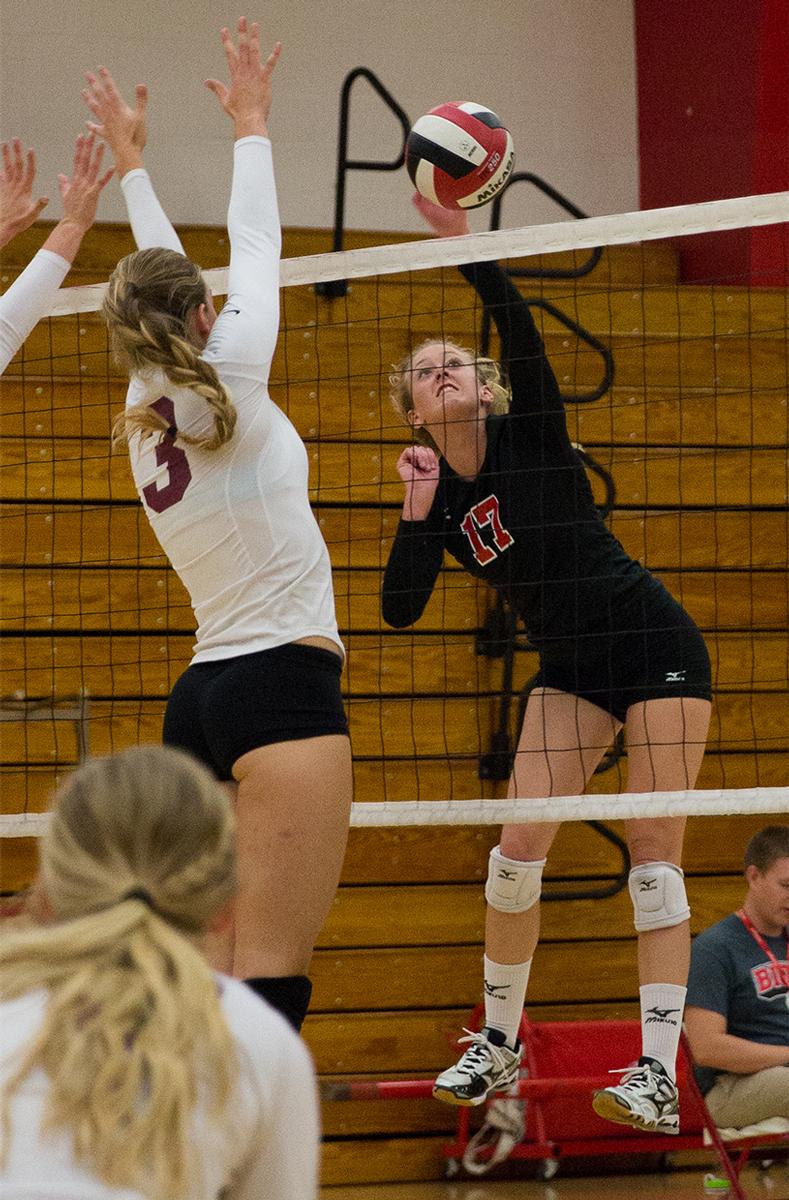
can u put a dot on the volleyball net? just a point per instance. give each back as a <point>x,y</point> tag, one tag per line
<point>668,332</point>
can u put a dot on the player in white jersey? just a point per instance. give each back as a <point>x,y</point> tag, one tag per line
<point>31,295</point>
<point>222,474</point>
<point>128,1068</point>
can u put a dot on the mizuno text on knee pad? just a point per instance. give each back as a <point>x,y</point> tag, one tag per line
<point>512,886</point>
<point>657,890</point>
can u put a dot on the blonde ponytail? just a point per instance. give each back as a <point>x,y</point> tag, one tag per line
<point>150,299</point>
<point>133,1034</point>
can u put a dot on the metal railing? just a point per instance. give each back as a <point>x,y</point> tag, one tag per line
<point>582,334</point>
<point>563,202</point>
<point>339,287</point>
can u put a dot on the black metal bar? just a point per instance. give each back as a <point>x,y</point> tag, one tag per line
<point>563,202</point>
<point>591,340</point>
<point>579,331</point>
<point>585,892</point>
<point>338,287</point>
<point>601,472</point>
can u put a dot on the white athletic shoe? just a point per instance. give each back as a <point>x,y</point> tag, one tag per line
<point>645,1097</point>
<point>487,1066</point>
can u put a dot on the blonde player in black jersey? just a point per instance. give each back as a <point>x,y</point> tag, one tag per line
<point>500,487</point>
<point>31,295</point>
<point>222,475</point>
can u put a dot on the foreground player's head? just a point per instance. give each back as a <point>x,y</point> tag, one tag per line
<point>159,314</point>
<point>767,875</point>
<point>138,858</point>
<point>148,818</point>
<point>440,383</point>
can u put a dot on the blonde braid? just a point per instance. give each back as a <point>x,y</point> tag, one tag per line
<point>151,297</point>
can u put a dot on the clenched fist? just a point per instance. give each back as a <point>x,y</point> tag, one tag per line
<point>419,469</point>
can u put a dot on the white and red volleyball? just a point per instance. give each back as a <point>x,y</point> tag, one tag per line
<point>459,155</point>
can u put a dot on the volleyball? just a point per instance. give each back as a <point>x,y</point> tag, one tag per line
<point>459,155</point>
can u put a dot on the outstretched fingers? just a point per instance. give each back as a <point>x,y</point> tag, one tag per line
<point>81,192</point>
<point>108,86</point>
<point>14,167</point>
<point>121,125</point>
<point>243,41</point>
<point>82,152</point>
<point>141,100</point>
<point>18,209</point>
<point>229,47</point>
<point>29,169</point>
<point>272,60</point>
<point>254,42</point>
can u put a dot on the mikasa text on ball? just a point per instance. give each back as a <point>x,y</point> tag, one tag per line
<point>459,155</point>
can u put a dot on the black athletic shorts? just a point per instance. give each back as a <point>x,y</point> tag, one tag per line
<point>220,710</point>
<point>650,650</point>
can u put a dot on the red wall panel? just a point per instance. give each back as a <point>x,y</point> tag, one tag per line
<point>713,115</point>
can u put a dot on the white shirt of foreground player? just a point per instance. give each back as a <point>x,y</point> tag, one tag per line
<point>236,522</point>
<point>266,1144</point>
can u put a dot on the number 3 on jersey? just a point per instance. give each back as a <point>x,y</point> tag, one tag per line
<point>486,513</point>
<point>171,456</point>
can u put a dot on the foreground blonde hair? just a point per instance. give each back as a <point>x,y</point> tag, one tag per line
<point>133,1029</point>
<point>488,374</point>
<point>150,299</point>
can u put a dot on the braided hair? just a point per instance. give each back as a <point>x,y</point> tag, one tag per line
<point>150,302</point>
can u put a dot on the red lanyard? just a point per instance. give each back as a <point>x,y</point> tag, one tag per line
<point>757,937</point>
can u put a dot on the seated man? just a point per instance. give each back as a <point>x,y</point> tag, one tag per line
<point>737,1015</point>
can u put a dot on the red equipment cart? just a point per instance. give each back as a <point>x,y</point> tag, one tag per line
<point>564,1062</point>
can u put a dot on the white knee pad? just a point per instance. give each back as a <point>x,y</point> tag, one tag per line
<point>512,886</point>
<point>657,890</point>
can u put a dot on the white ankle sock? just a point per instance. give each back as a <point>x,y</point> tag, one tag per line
<point>661,1023</point>
<point>505,993</point>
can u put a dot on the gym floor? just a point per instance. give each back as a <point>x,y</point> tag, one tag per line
<point>678,1185</point>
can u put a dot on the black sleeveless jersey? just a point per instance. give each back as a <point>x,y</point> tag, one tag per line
<point>528,523</point>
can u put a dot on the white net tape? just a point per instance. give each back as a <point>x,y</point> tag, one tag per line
<point>649,225</point>
<point>622,806</point>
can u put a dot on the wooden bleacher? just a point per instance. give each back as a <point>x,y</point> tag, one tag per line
<point>89,603</point>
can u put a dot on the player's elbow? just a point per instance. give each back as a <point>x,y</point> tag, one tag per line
<point>704,1045</point>
<point>395,615</point>
<point>703,1055</point>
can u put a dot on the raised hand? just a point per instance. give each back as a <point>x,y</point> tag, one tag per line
<point>81,192</point>
<point>122,127</point>
<point>446,222</point>
<point>18,209</point>
<point>419,469</point>
<point>248,98</point>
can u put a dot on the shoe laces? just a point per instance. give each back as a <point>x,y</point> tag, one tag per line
<point>639,1073</point>
<point>475,1055</point>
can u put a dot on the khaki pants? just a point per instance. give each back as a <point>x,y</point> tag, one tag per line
<point>737,1100</point>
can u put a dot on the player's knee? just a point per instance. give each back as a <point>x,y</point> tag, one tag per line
<point>512,886</point>
<point>657,890</point>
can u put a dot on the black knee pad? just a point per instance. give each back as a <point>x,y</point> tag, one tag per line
<point>289,994</point>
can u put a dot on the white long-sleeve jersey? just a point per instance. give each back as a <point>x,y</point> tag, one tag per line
<point>235,523</point>
<point>264,1144</point>
<point>28,299</point>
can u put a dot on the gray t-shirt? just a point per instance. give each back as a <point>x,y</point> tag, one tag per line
<point>730,974</point>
